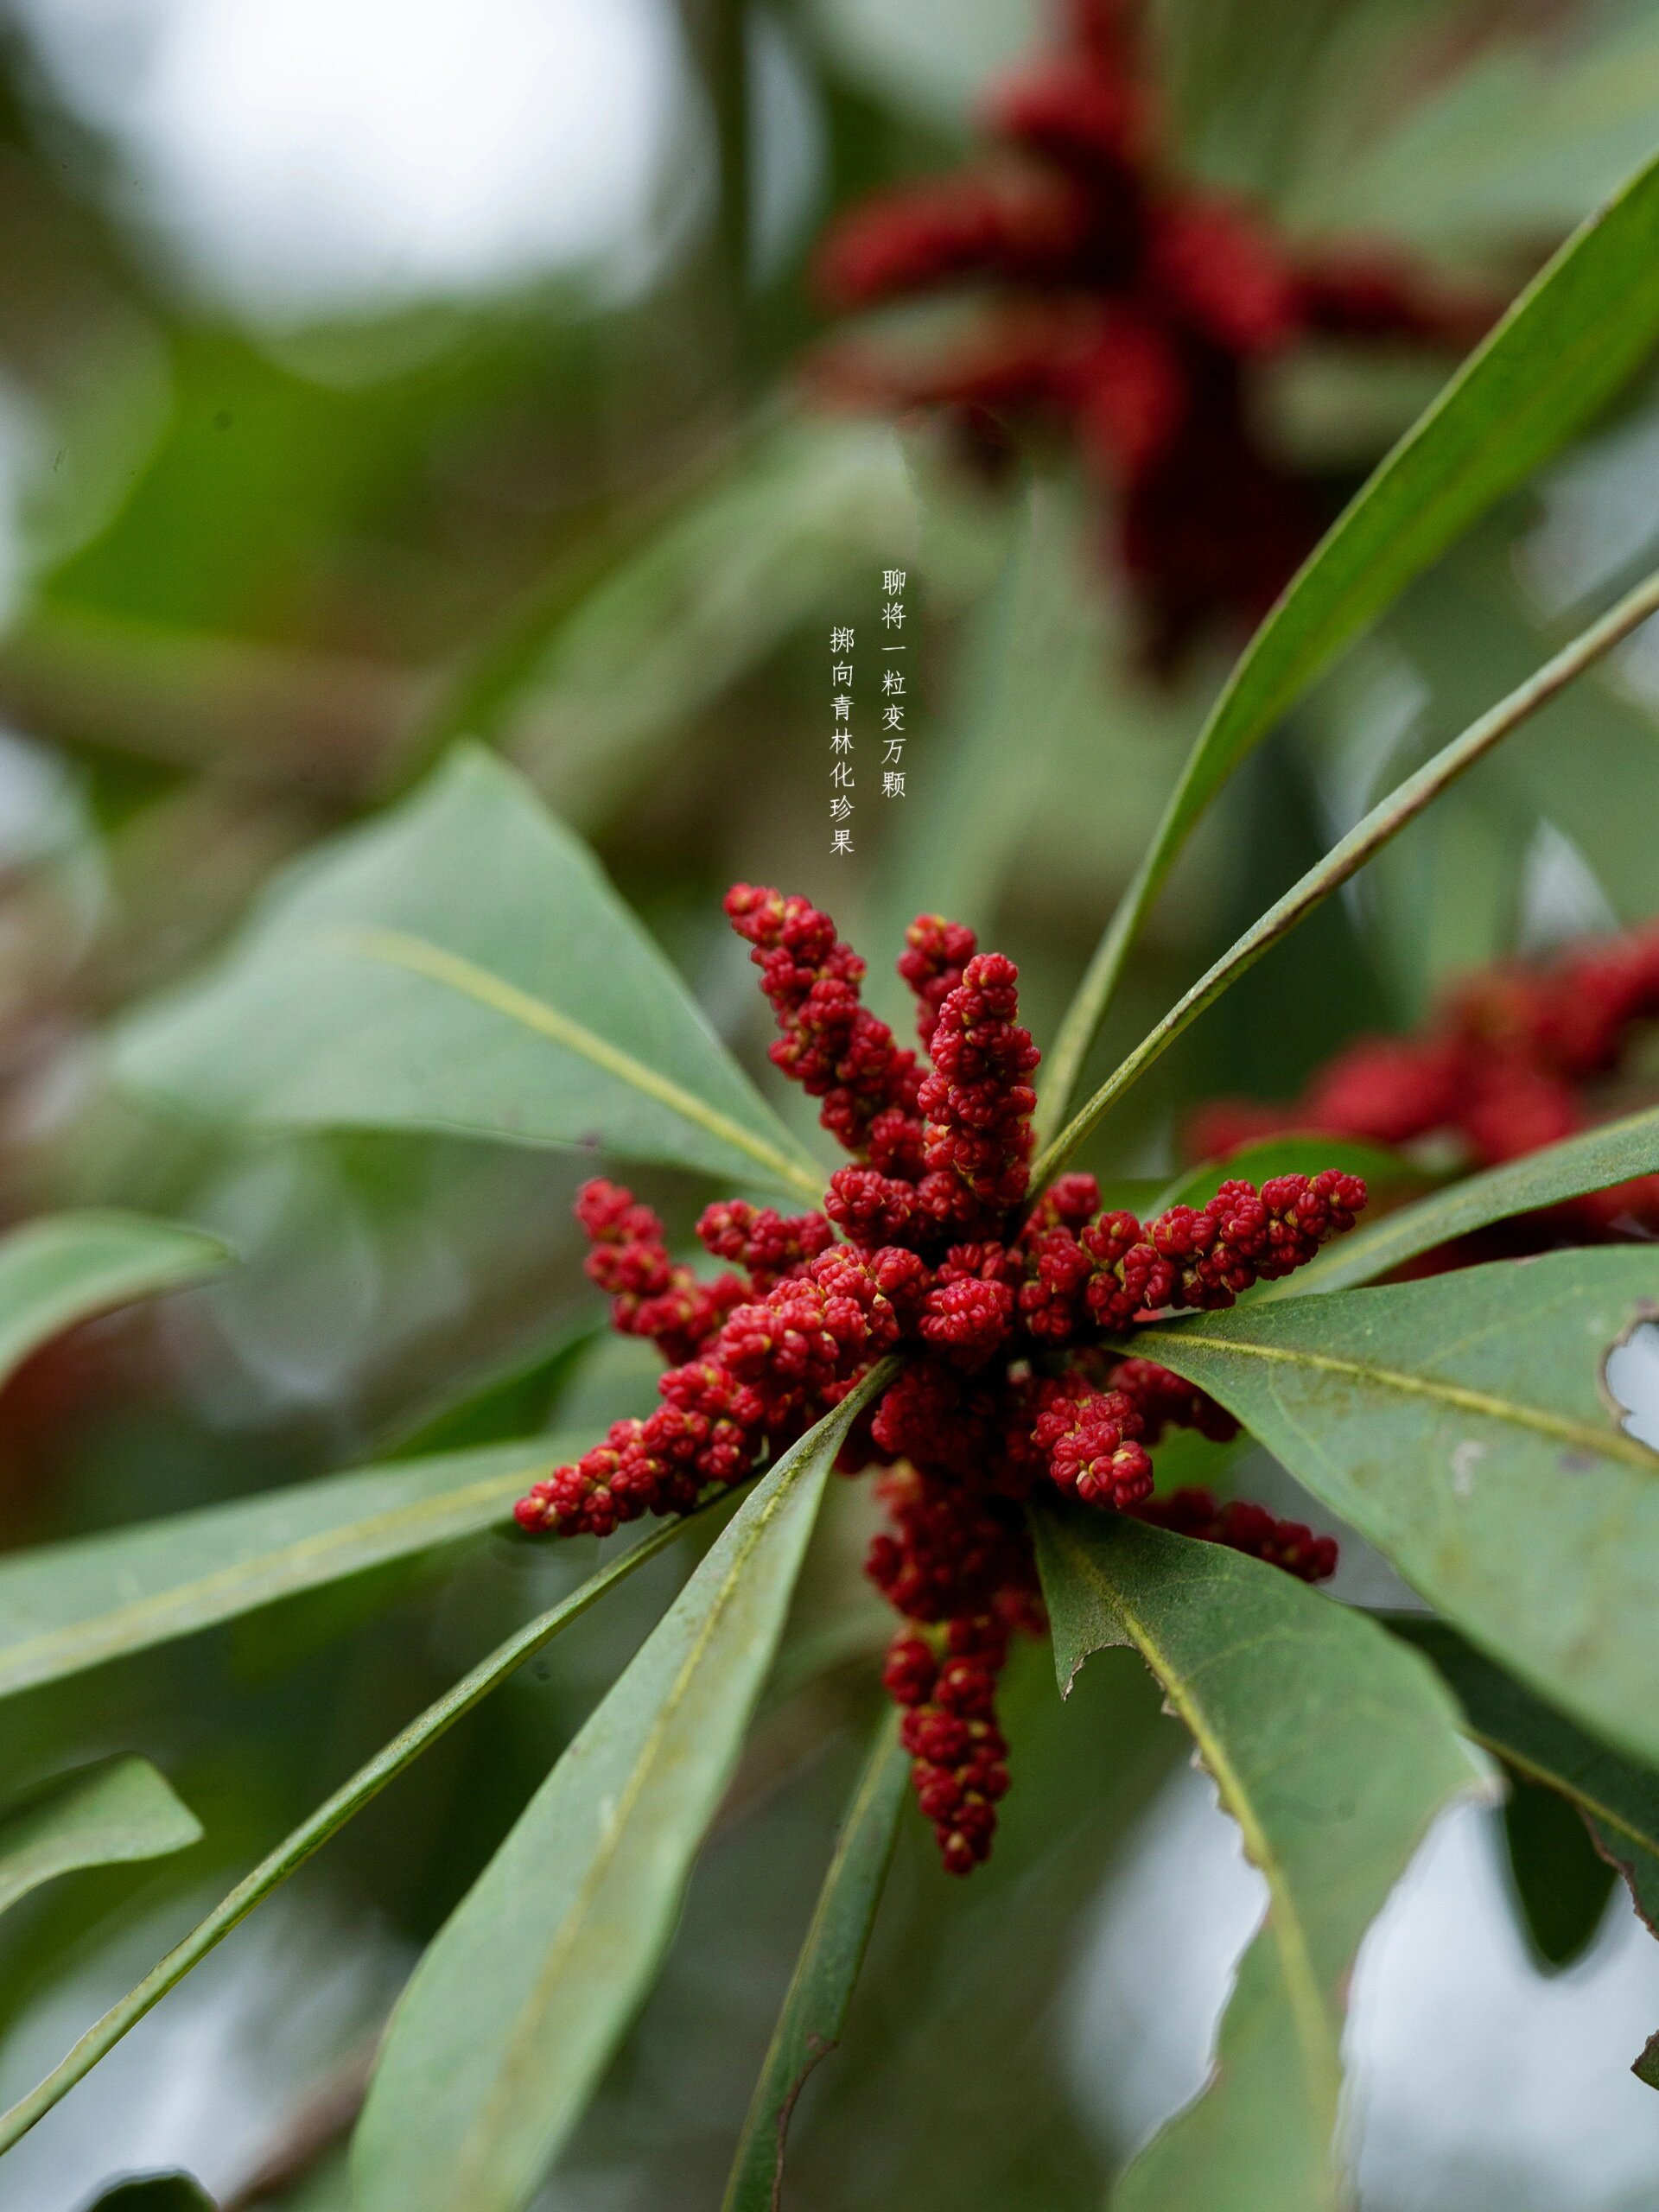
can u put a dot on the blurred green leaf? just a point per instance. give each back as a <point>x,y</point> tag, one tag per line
<point>1465,1427</point>
<point>1618,1798</point>
<point>516,1399</point>
<point>65,1267</point>
<point>291,1853</point>
<point>815,2008</point>
<point>173,2192</point>
<point>67,1606</point>
<point>461,965</point>
<point>1563,350</point>
<point>1593,1160</point>
<point>1383,1171</point>
<point>1519,142</point>
<point>1333,1757</point>
<point>520,2001</point>
<point>1561,1880</point>
<point>101,1815</point>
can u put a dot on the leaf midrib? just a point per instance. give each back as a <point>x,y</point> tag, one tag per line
<point>1562,1426</point>
<point>398,949</point>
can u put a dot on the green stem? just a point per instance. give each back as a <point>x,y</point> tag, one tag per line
<point>1367,837</point>
<point>330,1817</point>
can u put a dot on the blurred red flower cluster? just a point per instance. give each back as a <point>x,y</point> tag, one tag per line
<point>1126,308</point>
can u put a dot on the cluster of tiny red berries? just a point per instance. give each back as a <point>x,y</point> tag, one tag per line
<point>1129,309</point>
<point>1010,1385</point>
<point>1515,1059</point>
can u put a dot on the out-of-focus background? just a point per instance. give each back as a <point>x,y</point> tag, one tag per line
<point>373,374</point>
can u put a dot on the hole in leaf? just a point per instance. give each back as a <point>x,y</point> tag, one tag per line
<point>1631,1375</point>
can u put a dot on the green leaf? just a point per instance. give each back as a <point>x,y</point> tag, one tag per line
<point>1289,1155</point>
<point>1516,142</point>
<point>70,1605</point>
<point>1646,2068</point>
<point>102,1815</point>
<point>1591,1162</point>
<point>1333,1757</point>
<point>517,2006</point>
<point>1461,1425</point>
<point>1560,1878</point>
<point>1367,836</point>
<point>291,1853</point>
<point>173,2192</point>
<point>810,2026</point>
<point>1564,348</point>
<point>461,964</point>
<point>65,1267</point>
<point>1618,1798</point>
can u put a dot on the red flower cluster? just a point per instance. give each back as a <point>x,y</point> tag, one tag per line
<point>1129,309</point>
<point>1011,1384</point>
<point>1512,1062</point>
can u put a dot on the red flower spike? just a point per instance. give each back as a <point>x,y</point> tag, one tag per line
<point>936,1264</point>
<point>936,952</point>
<point>650,1296</point>
<point>1506,1064</point>
<point>1244,1527</point>
<point>1164,1401</point>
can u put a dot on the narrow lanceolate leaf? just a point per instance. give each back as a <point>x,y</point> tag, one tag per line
<point>519,2003</point>
<point>64,1267</point>
<point>810,2024</point>
<point>330,1817</point>
<point>67,1606</point>
<point>1368,837</point>
<point>101,1815</point>
<point>1591,1161</point>
<point>461,964</point>
<point>1619,1798</point>
<point>1465,1426</point>
<point>1563,350</point>
<point>1333,1749</point>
